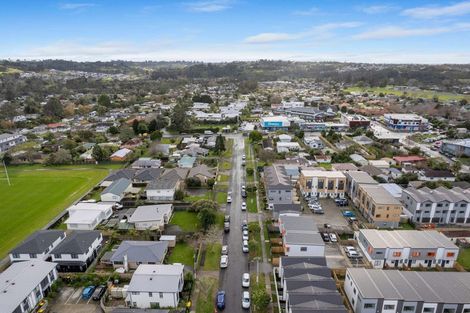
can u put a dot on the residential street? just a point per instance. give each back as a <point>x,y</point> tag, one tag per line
<point>230,278</point>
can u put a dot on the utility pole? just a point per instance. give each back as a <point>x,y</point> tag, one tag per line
<point>6,173</point>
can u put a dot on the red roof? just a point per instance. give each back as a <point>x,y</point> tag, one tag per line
<point>409,158</point>
<point>55,125</point>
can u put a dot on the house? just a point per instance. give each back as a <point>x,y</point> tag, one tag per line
<point>116,191</point>
<point>456,148</point>
<point>186,161</point>
<point>268,144</point>
<point>358,159</point>
<point>132,144</point>
<point>292,209</point>
<point>201,172</point>
<point>284,138</point>
<point>161,148</point>
<point>313,142</point>
<point>355,120</point>
<point>120,155</point>
<point>164,187</point>
<point>322,158</point>
<point>37,246</point>
<point>8,141</point>
<point>147,175</point>
<point>88,215</point>
<point>278,185</point>
<point>146,163</point>
<point>380,164</point>
<point>343,167</point>
<point>371,170</point>
<point>77,251</point>
<point>151,216</point>
<point>322,183</point>
<point>156,286</point>
<point>127,173</point>
<point>363,140</point>
<point>24,284</point>
<point>275,122</point>
<point>413,159</point>
<point>353,179</point>
<point>130,254</point>
<point>407,248</point>
<point>287,146</point>
<point>300,236</point>
<point>440,205</point>
<point>428,174</point>
<point>378,206</point>
<point>405,122</point>
<point>385,291</point>
<point>393,189</point>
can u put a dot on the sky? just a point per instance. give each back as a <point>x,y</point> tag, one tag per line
<point>427,32</point>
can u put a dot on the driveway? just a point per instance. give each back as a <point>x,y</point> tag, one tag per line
<point>230,278</point>
<point>333,216</point>
<point>69,300</point>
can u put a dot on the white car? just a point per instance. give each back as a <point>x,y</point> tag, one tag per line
<point>245,235</point>
<point>349,248</point>
<point>245,246</point>
<point>223,261</point>
<point>224,250</point>
<point>243,187</point>
<point>246,280</point>
<point>243,157</point>
<point>333,238</point>
<point>243,206</point>
<point>229,199</point>
<point>353,255</point>
<point>246,300</point>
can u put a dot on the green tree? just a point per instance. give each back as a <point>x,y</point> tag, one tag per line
<point>204,204</point>
<point>126,133</point>
<point>6,158</point>
<point>255,136</point>
<point>156,135</point>
<point>210,183</point>
<point>152,126</point>
<point>142,128</point>
<point>261,298</point>
<point>456,167</point>
<point>97,153</point>
<point>135,126</point>
<point>193,182</point>
<point>113,130</point>
<point>53,108</point>
<point>206,218</point>
<point>219,143</point>
<point>104,100</point>
<point>180,118</point>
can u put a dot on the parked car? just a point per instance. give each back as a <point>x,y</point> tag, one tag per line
<point>223,261</point>
<point>224,250</point>
<point>243,163</point>
<point>226,227</point>
<point>333,237</point>
<point>353,254</point>
<point>349,248</point>
<point>246,280</point>
<point>318,210</point>
<point>227,218</point>
<point>243,206</point>
<point>341,201</point>
<point>246,300</point>
<point>220,300</point>
<point>244,224</point>
<point>243,194</point>
<point>99,293</point>
<point>245,248</point>
<point>349,214</point>
<point>352,219</point>
<point>327,225</point>
<point>87,292</point>
<point>245,235</point>
<point>326,237</point>
<point>229,199</point>
<point>243,157</point>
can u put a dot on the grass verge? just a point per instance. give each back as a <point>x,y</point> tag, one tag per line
<point>211,262</point>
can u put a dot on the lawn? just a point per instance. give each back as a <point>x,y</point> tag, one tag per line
<point>223,178</point>
<point>251,202</point>
<point>212,258</point>
<point>38,194</point>
<point>228,148</point>
<point>255,240</point>
<point>182,253</point>
<point>221,197</point>
<point>193,198</point>
<point>464,258</point>
<point>427,94</point>
<point>226,165</point>
<point>206,287</point>
<point>187,221</point>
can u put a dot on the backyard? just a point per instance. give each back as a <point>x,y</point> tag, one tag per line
<point>186,220</point>
<point>464,258</point>
<point>212,257</point>
<point>182,253</point>
<point>37,194</point>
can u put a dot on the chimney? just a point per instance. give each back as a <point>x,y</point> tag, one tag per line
<point>126,264</point>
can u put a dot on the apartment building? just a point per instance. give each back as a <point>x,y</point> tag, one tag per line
<point>407,248</point>
<point>378,206</point>
<point>8,141</point>
<point>440,205</point>
<point>322,183</point>
<point>353,179</point>
<point>355,120</point>
<point>278,185</point>
<point>456,148</point>
<point>405,122</point>
<point>390,291</point>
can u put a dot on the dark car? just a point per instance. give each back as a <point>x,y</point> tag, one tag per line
<point>341,202</point>
<point>226,227</point>
<point>326,237</point>
<point>88,292</point>
<point>99,293</point>
<point>220,300</point>
<point>243,194</point>
<point>227,218</point>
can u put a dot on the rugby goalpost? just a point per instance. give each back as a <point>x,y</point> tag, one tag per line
<point>7,177</point>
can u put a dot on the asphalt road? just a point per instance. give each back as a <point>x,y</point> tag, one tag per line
<point>230,279</point>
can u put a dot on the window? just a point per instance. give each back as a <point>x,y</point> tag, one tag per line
<point>354,291</point>
<point>303,249</point>
<point>408,308</point>
<point>448,310</point>
<point>432,254</point>
<point>397,254</point>
<point>450,254</point>
<point>150,294</point>
<point>32,255</point>
<point>135,293</point>
<point>161,295</point>
<point>415,253</point>
<point>57,256</point>
<point>428,310</point>
<point>369,305</point>
<point>16,255</point>
<point>389,307</point>
<point>74,256</point>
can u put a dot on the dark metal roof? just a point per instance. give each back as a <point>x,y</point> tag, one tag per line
<point>38,242</point>
<point>77,242</point>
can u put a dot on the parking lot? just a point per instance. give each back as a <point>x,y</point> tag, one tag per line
<point>69,300</point>
<point>332,216</point>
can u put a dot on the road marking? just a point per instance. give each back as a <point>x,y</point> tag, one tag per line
<point>71,294</point>
<point>79,296</point>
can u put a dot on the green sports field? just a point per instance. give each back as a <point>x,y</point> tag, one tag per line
<point>38,194</point>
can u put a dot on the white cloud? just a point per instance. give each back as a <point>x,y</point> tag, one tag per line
<point>208,6</point>
<point>377,9</point>
<point>399,32</point>
<point>75,6</point>
<point>458,9</point>
<point>307,12</point>
<point>320,31</point>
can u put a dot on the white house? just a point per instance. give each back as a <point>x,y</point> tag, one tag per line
<point>77,251</point>
<point>37,246</point>
<point>287,146</point>
<point>314,142</point>
<point>155,286</point>
<point>285,138</point>
<point>8,141</point>
<point>151,216</point>
<point>87,215</point>
<point>164,187</point>
<point>24,284</point>
<point>300,236</point>
<point>116,191</point>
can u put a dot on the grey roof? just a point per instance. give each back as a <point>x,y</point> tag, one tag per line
<point>150,213</point>
<point>19,280</point>
<point>148,174</point>
<point>77,242</point>
<point>146,163</point>
<point>287,207</point>
<point>431,287</point>
<point>141,251</point>
<point>437,173</point>
<point>276,178</point>
<point>344,167</point>
<point>38,242</point>
<point>371,170</point>
<point>360,177</point>
<point>299,223</point>
<point>311,287</point>
<point>118,187</point>
<point>201,170</point>
<point>123,173</point>
<point>322,310</point>
<point>168,180</point>
<point>407,238</point>
<point>320,302</point>
<point>302,262</point>
<point>379,194</point>
<point>439,194</point>
<point>311,274</point>
<point>157,278</point>
<point>295,238</point>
